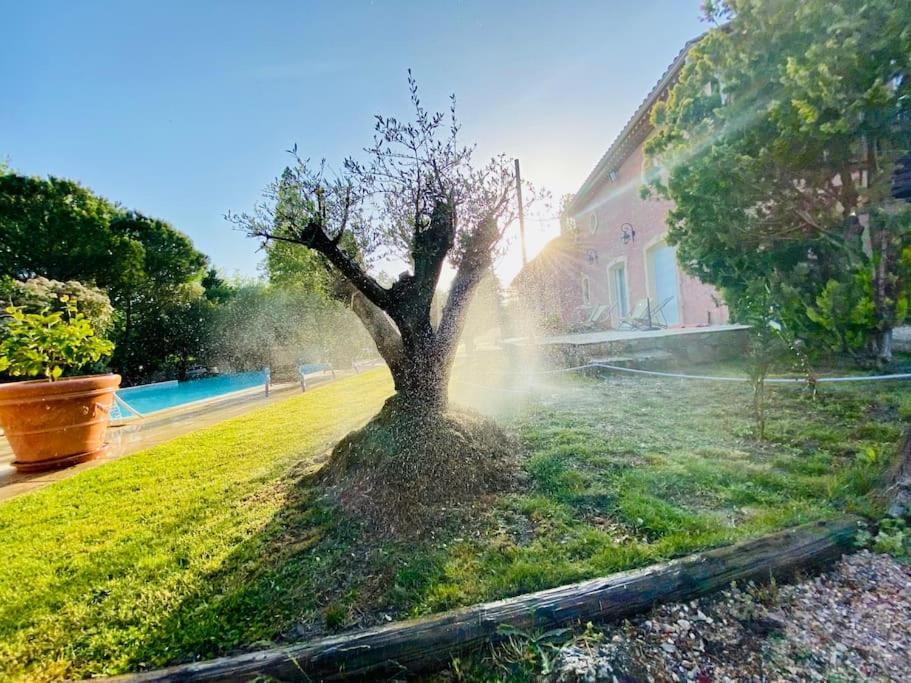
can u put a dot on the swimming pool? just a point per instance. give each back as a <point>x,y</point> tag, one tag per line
<point>151,398</point>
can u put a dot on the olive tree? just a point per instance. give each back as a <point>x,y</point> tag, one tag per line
<point>417,195</point>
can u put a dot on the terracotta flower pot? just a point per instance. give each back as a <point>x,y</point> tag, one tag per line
<point>56,424</point>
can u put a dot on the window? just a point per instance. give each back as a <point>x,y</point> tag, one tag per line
<point>619,296</point>
<point>586,291</point>
<point>715,87</point>
<point>593,222</point>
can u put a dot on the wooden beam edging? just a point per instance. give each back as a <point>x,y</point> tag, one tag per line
<point>429,643</point>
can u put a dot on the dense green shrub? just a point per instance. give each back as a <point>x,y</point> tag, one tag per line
<point>49,342</point>
<point>777,145</point>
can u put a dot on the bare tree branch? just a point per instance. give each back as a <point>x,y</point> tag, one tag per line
<point>475,262</point>
<point>313,236</point>
<point>386,337</point>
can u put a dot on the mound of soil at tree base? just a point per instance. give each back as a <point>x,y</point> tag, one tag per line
<point>407,468</point>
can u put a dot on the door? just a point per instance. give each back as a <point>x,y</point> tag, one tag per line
<point>662,263</point>
<point>619,296</point>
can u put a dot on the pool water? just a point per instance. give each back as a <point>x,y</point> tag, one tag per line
<point>150,398</point>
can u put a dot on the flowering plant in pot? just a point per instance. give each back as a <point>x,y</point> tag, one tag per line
<point>55,421</point>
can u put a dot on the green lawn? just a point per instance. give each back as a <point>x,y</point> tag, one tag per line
<point>218,540</point>
<point>124,564</point>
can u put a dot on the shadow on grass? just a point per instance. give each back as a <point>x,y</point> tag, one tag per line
<point>308,572</point>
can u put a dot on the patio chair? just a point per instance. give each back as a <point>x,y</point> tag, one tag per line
<point>598,313</point>
<point>646,316</point>
<point>358,365</point>
<point>658,312</point>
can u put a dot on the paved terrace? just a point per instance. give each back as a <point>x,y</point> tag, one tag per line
<point>696,344</point>
<point>144,433</point>
<point>610,336</point>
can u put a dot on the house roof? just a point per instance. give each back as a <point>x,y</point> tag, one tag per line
<point>633,133</point>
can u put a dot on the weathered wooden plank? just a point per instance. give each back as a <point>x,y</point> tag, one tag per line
<point>429,643</point>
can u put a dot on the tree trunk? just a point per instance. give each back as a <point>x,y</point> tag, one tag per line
<point>421,390</point>
<point>884,346</point>
<point>419,357</point>
<point>886,250</point>
<point>418,458</point>
<point>422,380</point>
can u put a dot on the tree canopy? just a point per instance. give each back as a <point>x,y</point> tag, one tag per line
<point>777,146</point>
<point>56,228</point>
<point>417,195</point>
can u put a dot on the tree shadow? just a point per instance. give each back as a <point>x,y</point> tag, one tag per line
<point>311,570</point>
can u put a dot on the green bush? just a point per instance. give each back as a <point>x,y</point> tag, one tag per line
<point>777,151</point>
<point>49,342</point>
<point>892,538</point>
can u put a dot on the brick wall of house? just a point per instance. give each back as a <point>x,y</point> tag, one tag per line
<point>618,202</point>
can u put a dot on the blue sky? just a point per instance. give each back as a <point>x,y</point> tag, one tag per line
<point>183,110</point>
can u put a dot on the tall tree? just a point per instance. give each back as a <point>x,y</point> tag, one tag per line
<point>156,288</point>
<point>777,145</point>
<point>417,195</point>
<point>286,264</point>
<point>332,332</point>
<point>216,288</point>
<point>55,228</point>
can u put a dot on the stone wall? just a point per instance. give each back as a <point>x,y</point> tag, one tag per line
<point>666,351</point>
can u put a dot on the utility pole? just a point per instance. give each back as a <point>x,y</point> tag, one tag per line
<point>521,213</point>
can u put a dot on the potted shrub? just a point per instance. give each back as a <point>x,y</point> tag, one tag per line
<point>56,421</point>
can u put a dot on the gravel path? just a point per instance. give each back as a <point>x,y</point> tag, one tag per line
<point>850,624</point>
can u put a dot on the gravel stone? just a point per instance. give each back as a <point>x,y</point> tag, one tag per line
<point>851,623</point>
